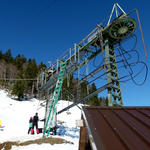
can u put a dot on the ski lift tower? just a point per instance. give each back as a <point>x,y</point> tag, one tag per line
<point>103,39</point>
<point>118,29</point>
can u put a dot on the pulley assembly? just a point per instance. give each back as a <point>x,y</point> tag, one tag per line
<point>122,27</point>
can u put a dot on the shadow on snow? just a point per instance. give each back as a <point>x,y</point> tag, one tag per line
<point>65,131</point>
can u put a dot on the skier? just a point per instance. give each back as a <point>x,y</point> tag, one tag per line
<point>30,124</point>
<point>35,124</point>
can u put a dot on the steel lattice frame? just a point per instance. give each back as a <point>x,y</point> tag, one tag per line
<point>103,40</point>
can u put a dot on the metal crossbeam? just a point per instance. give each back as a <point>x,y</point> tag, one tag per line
<point>87,97</point>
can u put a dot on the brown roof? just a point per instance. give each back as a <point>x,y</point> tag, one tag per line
<point>120,128</point>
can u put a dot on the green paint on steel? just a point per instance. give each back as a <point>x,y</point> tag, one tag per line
<point>121,28</point>
<point>114,92</point>
<point>54,101</point>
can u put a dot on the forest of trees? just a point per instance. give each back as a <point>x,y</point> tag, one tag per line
<point>17,73</point>
<point>13,69</point>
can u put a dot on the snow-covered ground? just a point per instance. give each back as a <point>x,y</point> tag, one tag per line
<point>15,119</point>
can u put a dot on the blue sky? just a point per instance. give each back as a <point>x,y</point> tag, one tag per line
<point>44,29</point>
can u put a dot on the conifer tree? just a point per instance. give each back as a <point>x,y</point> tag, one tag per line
<point>19,86</point>
<point>7,56</point>
<point>41,66</point>
<point>19,61</point>
<point>83,91</point>
<point>1,55</point>
<point>31,69</point>
<point>94,101</point>
<point>31,73</point>
<point>68,88</point>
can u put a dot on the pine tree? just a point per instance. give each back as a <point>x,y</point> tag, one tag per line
<point>31,69</point>
<point>19,86</point>
<point>83,91</point>
<point>64,88</point>
<point>7,56</point>
<point>41,66</point>
<point>31,73</point>
<point>1,55</point>
<point>94,101</point>
<point>68,88</point>
<point>103,101</point>
<point>19,61</point>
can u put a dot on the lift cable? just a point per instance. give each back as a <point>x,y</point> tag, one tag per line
<point>15,79</point>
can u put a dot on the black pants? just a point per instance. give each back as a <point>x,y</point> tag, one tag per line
<point>29,129</point>
<point>35,125</point>
<point>54,130</point>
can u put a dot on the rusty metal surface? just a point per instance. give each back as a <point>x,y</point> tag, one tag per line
<point>121,128</point>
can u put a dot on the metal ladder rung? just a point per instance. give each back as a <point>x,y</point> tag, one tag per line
<point>55,98</point>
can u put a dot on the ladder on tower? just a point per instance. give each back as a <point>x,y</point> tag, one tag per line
<point>52,108</point>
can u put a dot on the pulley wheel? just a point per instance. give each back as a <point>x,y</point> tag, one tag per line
<point>122,28</point>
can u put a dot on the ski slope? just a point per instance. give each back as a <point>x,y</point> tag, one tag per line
<point>15,119</point>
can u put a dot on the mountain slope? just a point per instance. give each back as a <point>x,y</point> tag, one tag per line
<point>15,117</point>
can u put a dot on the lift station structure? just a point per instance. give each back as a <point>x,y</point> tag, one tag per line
<point>101,41</point>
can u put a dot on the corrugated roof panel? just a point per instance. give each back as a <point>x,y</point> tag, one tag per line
<point>120,128</point>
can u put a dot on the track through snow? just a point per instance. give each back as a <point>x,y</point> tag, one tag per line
<point>15,117</point>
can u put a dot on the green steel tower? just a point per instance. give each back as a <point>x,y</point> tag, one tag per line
<point>100,40</point>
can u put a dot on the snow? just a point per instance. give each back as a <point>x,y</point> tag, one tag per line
<point>15,119</point>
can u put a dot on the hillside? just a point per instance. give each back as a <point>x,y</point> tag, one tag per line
<point>19,74</point>
<point>15,117</point>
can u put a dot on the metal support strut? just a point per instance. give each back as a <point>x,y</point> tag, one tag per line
<point>114,92</point>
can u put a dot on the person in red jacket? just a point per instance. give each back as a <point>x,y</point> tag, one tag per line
<point>35,124</point>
